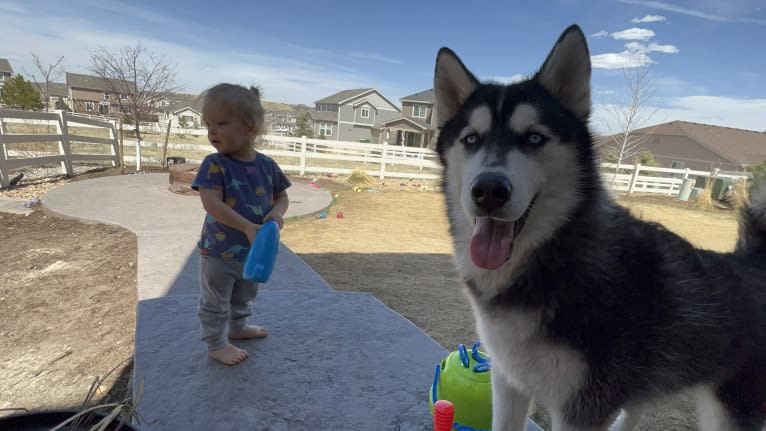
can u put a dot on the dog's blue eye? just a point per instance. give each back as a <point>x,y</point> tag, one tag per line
<point>535,138</point>
<point>470,139</point>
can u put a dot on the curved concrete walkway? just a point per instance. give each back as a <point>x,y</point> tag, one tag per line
<point>168,226</point>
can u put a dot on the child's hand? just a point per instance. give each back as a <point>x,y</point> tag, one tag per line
<point>251,230</point>
<point>276,216</point>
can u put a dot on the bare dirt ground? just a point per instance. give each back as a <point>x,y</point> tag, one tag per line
<point>68,289</point>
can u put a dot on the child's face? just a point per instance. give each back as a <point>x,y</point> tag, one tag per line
<point>227,132</point>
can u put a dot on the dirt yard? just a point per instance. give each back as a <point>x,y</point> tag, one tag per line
<point>68,290</point>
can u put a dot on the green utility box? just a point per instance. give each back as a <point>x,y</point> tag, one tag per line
<point>719,188</point>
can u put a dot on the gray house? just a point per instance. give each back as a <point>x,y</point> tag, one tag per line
<point>682,144</point>
<point>415,127</point>
<point>6,72</point>
<point>353,115</point>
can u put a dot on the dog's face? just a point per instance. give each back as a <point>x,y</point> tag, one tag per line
<point>513,155</point>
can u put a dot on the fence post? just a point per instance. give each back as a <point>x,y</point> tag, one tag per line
<point>303,154</point>
<point>122,150</point>
<point>383,159</point>
<point>686,173</point>
<point>64,148</point>
<point>636,170</point>
<point>138,154</point>
<point>5,180</point>
<point>714,173</point>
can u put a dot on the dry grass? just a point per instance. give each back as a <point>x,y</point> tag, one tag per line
<point>359,178</point>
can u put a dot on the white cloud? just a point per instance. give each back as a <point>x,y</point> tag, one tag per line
<point>633,34</point>
<point>505,79</point>
<point>693,12</point>
<point>667,49</point>
<point>374,57</point>
<point>600,34</point>
<point>649,18</point>
<point>716,110</point>
<point>619,60</point>
<point>638,47</point>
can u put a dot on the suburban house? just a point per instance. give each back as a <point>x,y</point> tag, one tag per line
<point>6,72</point>
<point>353,115</point>
<point>91,95</point>
<point>184,109</point>
<point>681,144</point>
<point>58,94</point>
<point>415,127</point>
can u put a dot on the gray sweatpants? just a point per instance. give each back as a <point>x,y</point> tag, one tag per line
<point>225,297</point>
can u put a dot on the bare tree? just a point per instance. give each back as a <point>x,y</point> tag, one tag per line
<point>628,111</point>
<point>49,73</point>
<point>139,80</point>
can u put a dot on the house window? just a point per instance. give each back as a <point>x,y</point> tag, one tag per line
<point>106,95</point>
<point>365,112</point>
<point>89,106</point>
<point>675,164</point>
<point>123,96</point>
<point>419,111</point>
<point>325,129</point>
<point>103,108</point>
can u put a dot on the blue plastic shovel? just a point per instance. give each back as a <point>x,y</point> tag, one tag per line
<point>263,253</point>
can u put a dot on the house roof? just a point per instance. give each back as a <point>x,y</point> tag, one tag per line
<point>90,82</point>
<point>426,96</point>
<point>55,89</point>
<point>194,104</point>
<point>744,147</point>
<point>5,66</point>
<point>344,95</point>
<point>323,115</point>
<point>417,124</point>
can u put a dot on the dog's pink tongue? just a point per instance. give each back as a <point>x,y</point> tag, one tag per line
<point>491,242</point>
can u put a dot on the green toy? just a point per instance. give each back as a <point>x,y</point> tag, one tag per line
<point>463,379</point>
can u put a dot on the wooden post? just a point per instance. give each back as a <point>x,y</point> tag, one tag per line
<point>636,170</point>
<point>303,154</point>
<point>163,162</point>
<point>122,150</point>
<point>64,148</point>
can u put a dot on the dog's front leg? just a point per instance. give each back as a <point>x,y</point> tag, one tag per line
<point>509,405</point>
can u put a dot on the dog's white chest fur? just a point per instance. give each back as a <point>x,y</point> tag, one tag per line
<point>550,372</point>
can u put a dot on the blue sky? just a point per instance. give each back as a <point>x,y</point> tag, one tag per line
<point>707,56</point>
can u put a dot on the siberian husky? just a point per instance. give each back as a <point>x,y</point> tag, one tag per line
<point>581,306</point>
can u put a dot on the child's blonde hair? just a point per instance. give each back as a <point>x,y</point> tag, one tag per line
<point>245,102</point>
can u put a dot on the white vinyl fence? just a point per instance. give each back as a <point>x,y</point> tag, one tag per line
<point>302,156</point>
<point>656,180</point>
<point>64,155</point>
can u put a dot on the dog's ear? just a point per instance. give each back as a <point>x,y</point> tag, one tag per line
<point>566,72</point>
<point>453,83</point>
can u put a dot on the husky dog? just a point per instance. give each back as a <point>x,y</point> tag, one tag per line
<point>580,305</point>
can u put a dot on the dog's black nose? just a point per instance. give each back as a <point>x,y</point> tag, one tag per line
<point>490,191</point>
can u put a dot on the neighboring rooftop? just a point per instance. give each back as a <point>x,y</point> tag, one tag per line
<point>745,147</point>
<point>90,82</point>
<point>344,95</point>
<point>423,96</point>
<point>5,66</point>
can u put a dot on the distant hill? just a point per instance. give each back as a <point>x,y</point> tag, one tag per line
<point>276,106</point>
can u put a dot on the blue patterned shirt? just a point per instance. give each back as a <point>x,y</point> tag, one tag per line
<point>248,188</point>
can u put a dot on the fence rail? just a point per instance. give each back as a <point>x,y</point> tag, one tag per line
<point>62,137</point>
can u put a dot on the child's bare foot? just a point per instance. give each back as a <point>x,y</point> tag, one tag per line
<point>229,355</point>
<point>248,332</point>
